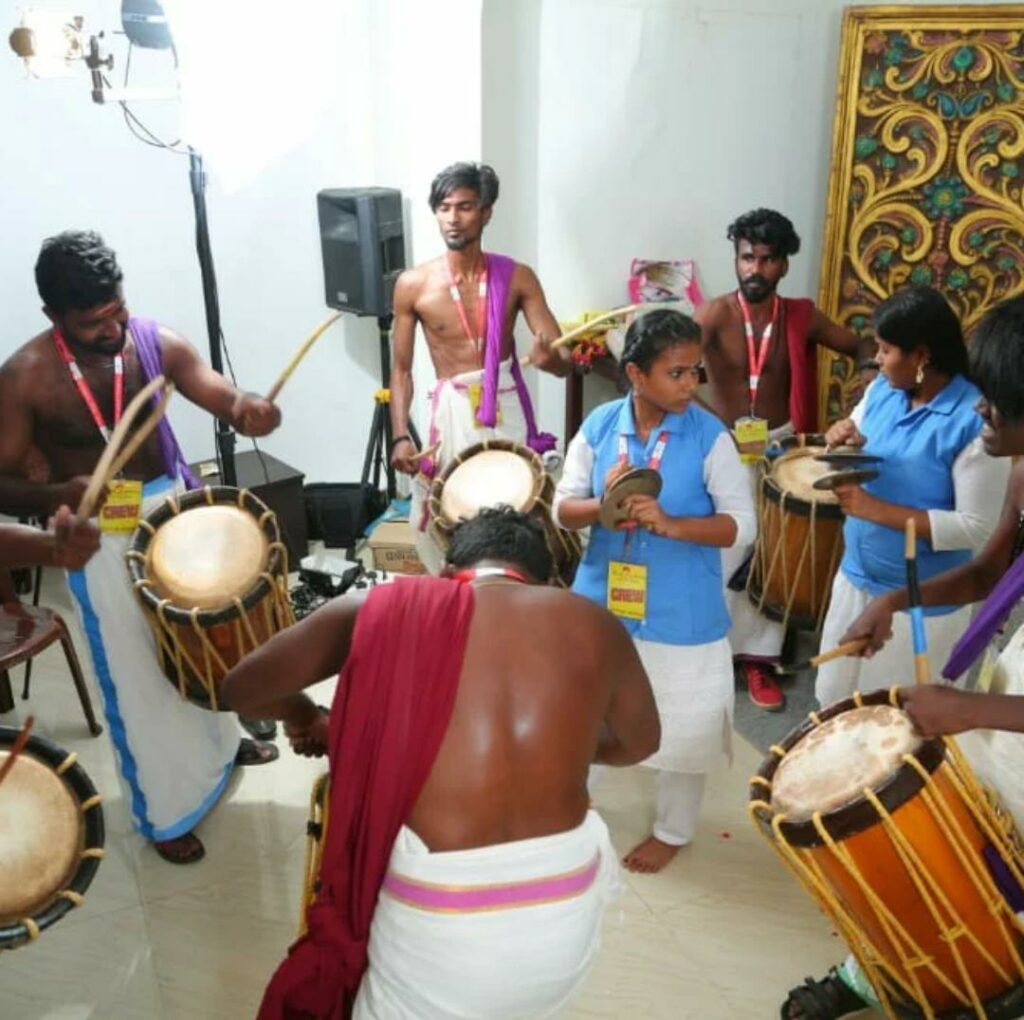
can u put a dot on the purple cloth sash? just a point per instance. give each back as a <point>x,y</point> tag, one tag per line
<point>499,278</point>
<point>146,334</point>
<point>992,615</point>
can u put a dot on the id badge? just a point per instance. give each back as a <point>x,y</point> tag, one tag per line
<point>751,438</point>
<point>120,513</point>
<point>627,590</point>
<point>475,391</point>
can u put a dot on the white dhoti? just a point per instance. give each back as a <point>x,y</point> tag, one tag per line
<point>894,663</point>
<point>997,756</point>
<point>752,635</point>
<point>453,425</point>
<point>174,758</point>
<point>695,693</point>
<point>505,931</point>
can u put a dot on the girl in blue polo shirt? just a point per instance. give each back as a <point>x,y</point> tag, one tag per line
<point>919,416</point>
<point>662,575</point>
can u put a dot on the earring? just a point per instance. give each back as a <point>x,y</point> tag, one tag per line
<point>919,378</point>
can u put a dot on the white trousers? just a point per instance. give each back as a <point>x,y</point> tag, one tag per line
<point>677,800</point>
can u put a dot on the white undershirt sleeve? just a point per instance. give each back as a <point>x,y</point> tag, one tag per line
<point>576,474</point>
<point>728,483</point>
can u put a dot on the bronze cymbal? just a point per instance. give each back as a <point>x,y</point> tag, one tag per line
<point>638,482</point>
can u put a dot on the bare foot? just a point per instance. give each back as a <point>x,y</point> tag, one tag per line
<point>649,856</point>
<point>184,850</point>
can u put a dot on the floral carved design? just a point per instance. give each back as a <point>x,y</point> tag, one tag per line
<point>926,183</point>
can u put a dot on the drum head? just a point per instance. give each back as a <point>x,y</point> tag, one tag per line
<point>40,837</point>
<point>638,482</point>
<point>207,556</point>
<point>489,478</point>
<point>831,766</point>
<point>796,472</point>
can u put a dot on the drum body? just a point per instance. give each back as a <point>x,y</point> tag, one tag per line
<point>499,472</point>
<point>799,539</point>
<point>51,837</point>
<point>211,573</point>
<point>896,841</point>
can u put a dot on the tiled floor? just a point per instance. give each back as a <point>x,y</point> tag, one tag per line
<point>720,935</point>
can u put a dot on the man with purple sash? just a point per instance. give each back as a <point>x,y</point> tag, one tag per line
<point>467,303</point>
<point>61,395</point>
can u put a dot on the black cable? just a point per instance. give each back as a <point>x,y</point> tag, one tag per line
<point>252,439</point>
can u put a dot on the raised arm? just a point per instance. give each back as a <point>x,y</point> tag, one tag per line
<point>403,342</point>
<point>543,325</point>
<point>631,730</point>
<point>247,413</point>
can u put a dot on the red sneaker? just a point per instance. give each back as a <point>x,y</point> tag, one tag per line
<point>762,686</point>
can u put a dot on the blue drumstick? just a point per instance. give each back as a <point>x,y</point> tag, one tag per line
<point>922,671</point>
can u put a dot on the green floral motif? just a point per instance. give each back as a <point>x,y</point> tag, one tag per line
<point>1010,170</point>
<point>908,235</point>
<point>957,279</point>
<point>921,275</point>
<point>975,239</point>
<point>1005,91</point>
<point>964,58</point>
<point>945,196</point>
<point>916,132</point>
<point>873,79</point>
<point>859,322</point>
<point>920,90</point>
<point>1006,263</point>
<point>992,135</point>
<point>889,161</point>
<point>884,257</point>
<point>864,146</point>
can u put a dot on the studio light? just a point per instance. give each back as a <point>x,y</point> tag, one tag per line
<point>50,43</point>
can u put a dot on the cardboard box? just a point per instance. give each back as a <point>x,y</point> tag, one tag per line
<point>394,548</point>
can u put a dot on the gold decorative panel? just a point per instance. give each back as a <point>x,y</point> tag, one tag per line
<point>927,166</point>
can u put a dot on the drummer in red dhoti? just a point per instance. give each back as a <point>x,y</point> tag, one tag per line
<point>760,355</point>
<point>467,302</point>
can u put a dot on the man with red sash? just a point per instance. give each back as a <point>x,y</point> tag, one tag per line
<point>467,303</point>
<point>760,354</point>
<point>463,873</point>
<point>61,395</point>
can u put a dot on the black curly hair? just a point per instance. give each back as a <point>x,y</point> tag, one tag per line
<point>76,270</point>
<point>503,534</point>
<point>765,226</point>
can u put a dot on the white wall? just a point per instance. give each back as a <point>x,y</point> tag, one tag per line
<point>69,163</point>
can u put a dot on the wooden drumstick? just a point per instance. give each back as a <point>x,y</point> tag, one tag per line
<point>585,327</point>
<point>119,452</point>
<point>922,668</point>
<point>846,648</point>
<point>423,454</point>
<point>301,353</point>
<point>17,747</point>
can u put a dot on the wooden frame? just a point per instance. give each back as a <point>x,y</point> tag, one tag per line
<point>927,166</point>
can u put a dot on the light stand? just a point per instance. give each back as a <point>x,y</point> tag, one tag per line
<point>225,437</point>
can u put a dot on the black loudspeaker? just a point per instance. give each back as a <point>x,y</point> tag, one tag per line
<point>363,245</point>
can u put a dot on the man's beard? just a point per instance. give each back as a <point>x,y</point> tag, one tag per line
<point>756,288</point>
<point>105,347</point>
<point>457,243</point>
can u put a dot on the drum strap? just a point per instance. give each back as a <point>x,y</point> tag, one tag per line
<point>85,390</point>
<point>756,357</point>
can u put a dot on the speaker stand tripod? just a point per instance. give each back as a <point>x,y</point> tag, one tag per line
<point>378,446</point>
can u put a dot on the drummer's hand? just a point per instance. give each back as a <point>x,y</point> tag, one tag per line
<point>544,357</point>
<point>874,625</point>
<point>936,710</point>
<point>614,473</point>
<point>403,457</point>
<point>310,740</point>
<point>844,433</point>
<point>254,415</point>
<point>854,501</point>
<point>646,511</point>
<point>75,539</point>
<point>70,493</point>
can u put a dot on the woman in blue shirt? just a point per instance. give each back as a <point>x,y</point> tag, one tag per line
<point>671,554</point>
<point>919,416</point>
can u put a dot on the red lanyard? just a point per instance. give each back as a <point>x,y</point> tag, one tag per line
<point>756,359</point>
<point>86,390</point>
<point>481,306</point>
<point>656,454</point>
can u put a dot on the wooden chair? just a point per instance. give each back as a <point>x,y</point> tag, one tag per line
<point>25,631</point>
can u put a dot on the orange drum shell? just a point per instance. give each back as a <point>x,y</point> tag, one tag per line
<point>876,858</point>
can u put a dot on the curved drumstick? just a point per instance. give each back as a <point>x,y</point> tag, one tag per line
<point>19,745</point>
<point>119,452</point>
<point>922,667</point>
<point>585,327</point>
<point>301,353</point>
